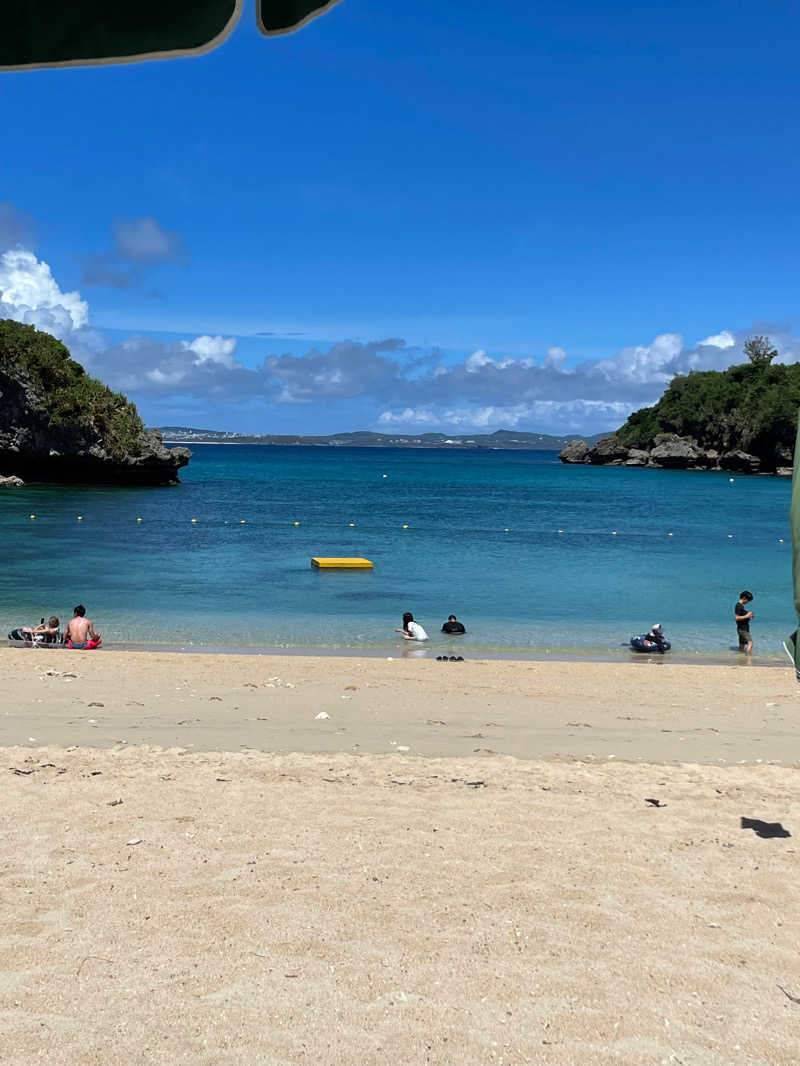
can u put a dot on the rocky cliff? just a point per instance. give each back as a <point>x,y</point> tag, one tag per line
<point>670,452</point>
<point>59,424</point>
<point>741,419</point>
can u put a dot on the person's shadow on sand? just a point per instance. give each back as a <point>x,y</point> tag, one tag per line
<point>765,830</point>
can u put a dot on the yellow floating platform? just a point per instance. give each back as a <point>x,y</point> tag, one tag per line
<point>332,563</point>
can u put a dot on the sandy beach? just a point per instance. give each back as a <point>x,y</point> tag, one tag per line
<point>479,862</point>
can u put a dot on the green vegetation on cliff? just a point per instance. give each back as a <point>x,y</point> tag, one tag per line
<point>751,407</point>
<point>65,392</point>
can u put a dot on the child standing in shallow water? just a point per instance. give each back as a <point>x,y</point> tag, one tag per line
<point>742,616</point>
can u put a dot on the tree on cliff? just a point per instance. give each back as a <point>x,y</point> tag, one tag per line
<point>759,350</point>
<point>751,407</point>
<point>68,394</point>
<point>59,424</point>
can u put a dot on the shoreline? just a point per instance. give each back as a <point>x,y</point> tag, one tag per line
<point>382,705</point>
<point>410,650</point>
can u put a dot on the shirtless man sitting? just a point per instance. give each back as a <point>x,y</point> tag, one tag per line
<point>79,632</point>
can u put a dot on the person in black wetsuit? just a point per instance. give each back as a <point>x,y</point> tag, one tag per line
<point>742,616</point>
<point>656,634</point>
<point>453,626</point>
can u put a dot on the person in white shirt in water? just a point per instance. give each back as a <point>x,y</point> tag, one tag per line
<point>411,630</point>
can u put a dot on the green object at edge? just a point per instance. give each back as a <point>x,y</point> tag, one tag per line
<point>792,643</point>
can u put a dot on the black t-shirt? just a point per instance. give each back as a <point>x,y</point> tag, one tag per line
<point>739,611</point>
<point>453,627</point>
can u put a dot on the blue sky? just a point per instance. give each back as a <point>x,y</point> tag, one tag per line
<point>563,179</point>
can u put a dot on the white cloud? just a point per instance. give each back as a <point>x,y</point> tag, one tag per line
<point>643,363</point>
<point>213,350</point>
<point>381,383</point>
<point>725,339</point>
<point>547,416</point>
<point>477,361</point>
<point>29,293</point>
<point>555,358</point>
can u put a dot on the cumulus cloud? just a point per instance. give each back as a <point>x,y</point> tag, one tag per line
<point>387,384</point>
<point>725,339</point>
<point>29,293</point>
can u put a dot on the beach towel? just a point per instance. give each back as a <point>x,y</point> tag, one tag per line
<point>792,644</point>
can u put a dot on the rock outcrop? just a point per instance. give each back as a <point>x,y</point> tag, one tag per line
<point>576,451</point>
<point>59,424</point>
<point>610,451</point>
<point>11,482</point>
<point>669,451</point>
<point>740,461</point>
<point>676,453</point>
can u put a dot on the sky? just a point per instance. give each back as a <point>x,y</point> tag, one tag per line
<point>423,217</point>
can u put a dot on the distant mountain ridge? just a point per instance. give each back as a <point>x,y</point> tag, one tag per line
<point>500,439</point>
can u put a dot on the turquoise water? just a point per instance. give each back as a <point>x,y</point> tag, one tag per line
<point>585,590</point>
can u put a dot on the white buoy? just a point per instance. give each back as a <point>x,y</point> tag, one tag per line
<point>731,480</point>
<point>384,475</point>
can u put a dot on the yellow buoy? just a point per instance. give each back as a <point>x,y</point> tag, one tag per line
<point>138,519</point>
<point>31,516</point>
<point>670,534</point>
<point>559,531</point>
<point>613,532</point>
<point>297,523</point>
<point>80,517</point>
<point>194,520</point>
<point>405,527</point>
<point>242,523</point>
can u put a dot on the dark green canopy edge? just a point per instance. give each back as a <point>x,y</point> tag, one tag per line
<point>42,33</point>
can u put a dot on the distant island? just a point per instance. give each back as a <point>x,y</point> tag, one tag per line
<point>501,439</point>
<point>59,424</point>
<point>742,419</point>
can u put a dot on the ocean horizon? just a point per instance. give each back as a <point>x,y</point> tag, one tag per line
<point>535,557</point>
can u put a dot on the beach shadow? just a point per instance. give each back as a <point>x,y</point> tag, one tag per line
<point>765,830</point>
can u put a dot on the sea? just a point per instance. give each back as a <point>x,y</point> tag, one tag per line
<point>538,559</point>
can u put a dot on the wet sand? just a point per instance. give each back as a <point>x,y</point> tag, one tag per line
<point>200,870</point>
<point>648,711</point>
